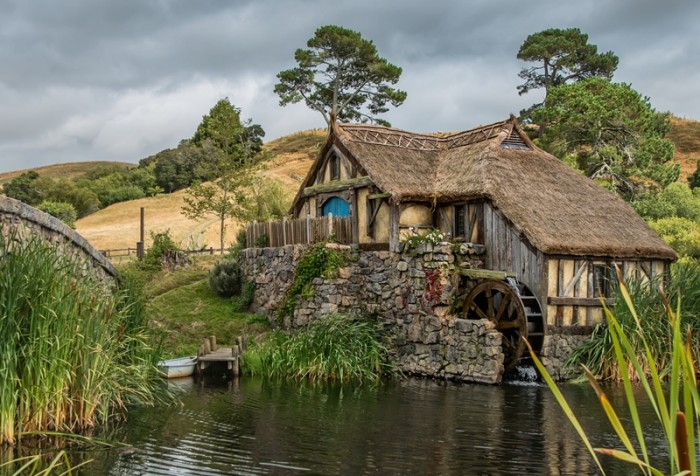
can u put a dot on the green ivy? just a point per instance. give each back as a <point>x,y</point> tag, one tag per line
<point>318,262</point>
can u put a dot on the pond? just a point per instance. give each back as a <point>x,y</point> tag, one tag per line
<point>411,426</point>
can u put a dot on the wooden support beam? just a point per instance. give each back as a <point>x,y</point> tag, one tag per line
<point>379,195</point>
<point>572,301</point>
<point>337,185</point>
<point>486,274</point>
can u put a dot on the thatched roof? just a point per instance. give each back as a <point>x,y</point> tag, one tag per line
<point>558,210</point>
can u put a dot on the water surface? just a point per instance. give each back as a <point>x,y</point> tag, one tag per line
<point>411,426</point>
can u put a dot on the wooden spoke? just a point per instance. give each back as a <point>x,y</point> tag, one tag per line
<point>500,303</point>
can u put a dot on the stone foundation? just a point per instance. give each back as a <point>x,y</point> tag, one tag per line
<point>410,296</point>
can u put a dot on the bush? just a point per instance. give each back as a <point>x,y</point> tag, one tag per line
<point>61,210</point>
<point>225,278</point>
<point>163,250</point>
<point>682,234</point>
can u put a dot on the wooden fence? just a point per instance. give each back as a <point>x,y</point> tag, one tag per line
<point>299,231</point>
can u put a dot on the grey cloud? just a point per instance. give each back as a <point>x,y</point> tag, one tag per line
<point>120,80</point>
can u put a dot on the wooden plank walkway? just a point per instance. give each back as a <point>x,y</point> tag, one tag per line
<point>209,353</point>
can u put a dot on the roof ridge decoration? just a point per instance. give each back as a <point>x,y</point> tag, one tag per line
<point>409,140</point>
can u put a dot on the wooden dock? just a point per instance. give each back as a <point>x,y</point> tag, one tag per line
<point>209,353</point>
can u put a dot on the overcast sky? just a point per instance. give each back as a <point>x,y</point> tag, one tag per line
<point>123,79</point>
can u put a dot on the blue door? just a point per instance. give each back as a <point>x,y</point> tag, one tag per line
<point>337,206</point>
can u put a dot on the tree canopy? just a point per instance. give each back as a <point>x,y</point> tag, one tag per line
<point>609,131</point>
<point>341,74</point>
<point>233,145</point>
<point>562,56</point>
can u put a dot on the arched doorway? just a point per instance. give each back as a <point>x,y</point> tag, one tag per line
<point>337,206</point>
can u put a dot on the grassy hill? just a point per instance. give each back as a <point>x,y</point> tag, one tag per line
<point>291,156</point>
<point>117,226</point>
<point>685,135</point>
<point>70,170</point>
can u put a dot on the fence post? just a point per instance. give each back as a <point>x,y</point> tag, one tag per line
<point>330,225</point>
<point>284,231</point>
<point>255,228</point>
<point>308,228</point>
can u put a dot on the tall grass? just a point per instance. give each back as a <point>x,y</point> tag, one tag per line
<point>654,327</point>
<point>73,353</point>
<point>334,348</point>
<point>676,405</point>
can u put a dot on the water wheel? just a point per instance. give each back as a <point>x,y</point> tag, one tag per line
<point>501,303</point>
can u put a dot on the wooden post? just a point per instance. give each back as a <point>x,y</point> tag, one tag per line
<point>308,228</point>
<point>140,245</point>
<point>240,342</point>
<point>212,343</point>
<point>284,231</point>
<point>207,346</point>
<point>330,225</point>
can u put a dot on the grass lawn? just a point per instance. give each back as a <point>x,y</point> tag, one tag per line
<point>183,310</point>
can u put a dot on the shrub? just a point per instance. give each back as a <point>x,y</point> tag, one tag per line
<point>163,250</point>
<point>318,261</point>
<point>225,278</point>
<point>61,210</point>
<point>243,302</point>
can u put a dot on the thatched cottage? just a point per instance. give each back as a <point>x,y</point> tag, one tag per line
<point>552,229</point>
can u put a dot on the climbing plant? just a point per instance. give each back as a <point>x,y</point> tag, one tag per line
<point>319,261</point>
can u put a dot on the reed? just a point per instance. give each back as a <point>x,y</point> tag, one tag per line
<point>73,353</point>
<point>676,405</point>
<point>334,348</point>
<point>654,328</point>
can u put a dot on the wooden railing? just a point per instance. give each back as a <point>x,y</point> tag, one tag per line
<point>299,231</point>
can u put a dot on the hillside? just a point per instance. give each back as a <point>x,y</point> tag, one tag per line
<point>291,156</point>
<point>117,226</point>
<point>685,135</point>
<point>70,170</point>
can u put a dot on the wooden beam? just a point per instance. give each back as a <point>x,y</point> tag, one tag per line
<point>486,274</point>
<point>337,186</point>
<point>379,195</point>
<point>573,282</point>
<point>572,301</point>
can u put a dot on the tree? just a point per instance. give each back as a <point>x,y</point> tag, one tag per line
<point>338,75</point>
<point>225,197</point>
<point>239,140</point>
<point>232,157</point>
<point>610,132</point>
<point>22,188</point>
<point>561,56</point>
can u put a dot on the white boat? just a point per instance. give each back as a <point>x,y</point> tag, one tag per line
<point>176,368</point>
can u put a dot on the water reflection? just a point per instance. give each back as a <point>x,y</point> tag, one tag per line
<point>255,426</point>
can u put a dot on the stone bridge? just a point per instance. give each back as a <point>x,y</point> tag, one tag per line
<point>15,215</point>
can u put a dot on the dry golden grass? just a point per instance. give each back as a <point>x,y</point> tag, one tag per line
<point>117,226</point>
<point>685,135</point>
<point>69,170</point>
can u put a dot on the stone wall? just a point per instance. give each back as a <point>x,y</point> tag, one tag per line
<point>556,349</point>
<point>410,295</point>
<point>27,222</point>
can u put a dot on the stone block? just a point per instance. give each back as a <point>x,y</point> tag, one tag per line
<point>402,266</point>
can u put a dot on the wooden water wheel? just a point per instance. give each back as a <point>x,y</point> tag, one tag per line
<point>515,311</point>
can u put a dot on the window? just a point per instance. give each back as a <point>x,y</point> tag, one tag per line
<point>459,227</point>
<point>334,165</point>
<point>604,279</point>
